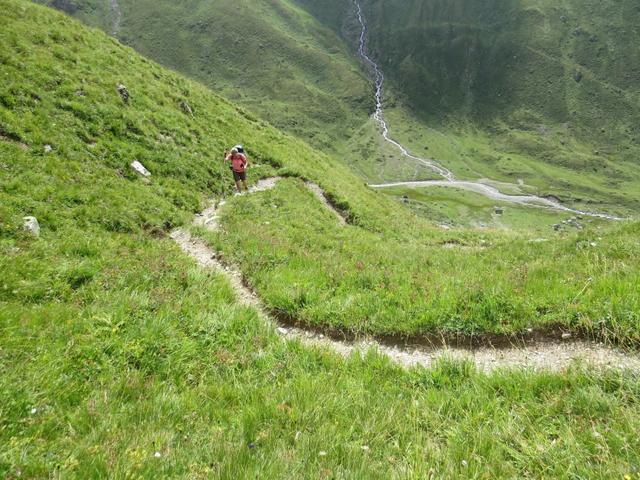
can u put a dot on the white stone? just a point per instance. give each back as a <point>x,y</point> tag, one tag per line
<point>139,168</point>
<point>282,331</point>
<point>31,225</point>
<point>48,149</point>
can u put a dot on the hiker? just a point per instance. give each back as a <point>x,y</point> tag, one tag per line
<point>239,164</point>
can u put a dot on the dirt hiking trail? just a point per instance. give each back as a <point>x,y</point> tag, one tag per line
<point>551,355</point>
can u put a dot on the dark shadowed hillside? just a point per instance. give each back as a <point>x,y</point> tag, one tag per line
<point>523,62</point>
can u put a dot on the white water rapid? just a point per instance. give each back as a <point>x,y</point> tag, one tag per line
<point>117,17</point>
<point>449,178</point>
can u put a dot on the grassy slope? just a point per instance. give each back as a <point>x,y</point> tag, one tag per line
<point>489,89</point>
<point>269,56</point>
<point>514,59</point>
<point>114,346</point>
<point>306,266</point>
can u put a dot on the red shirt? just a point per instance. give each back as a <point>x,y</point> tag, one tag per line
<point>238,162</point>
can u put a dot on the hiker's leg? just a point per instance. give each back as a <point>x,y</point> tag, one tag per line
<point>238,186</point>
<point>244,182</point>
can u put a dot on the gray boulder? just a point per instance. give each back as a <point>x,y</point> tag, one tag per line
<point>140,169</point>
<point>186,108</point>
<point>124,93</point>
<point>31,225</point>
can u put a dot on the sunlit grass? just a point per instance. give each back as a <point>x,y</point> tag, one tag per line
<point>121,358</point>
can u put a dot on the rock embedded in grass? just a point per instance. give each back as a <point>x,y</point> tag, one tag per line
<point>140,169</point>
<point>124,93</point>
<point>32,226</point>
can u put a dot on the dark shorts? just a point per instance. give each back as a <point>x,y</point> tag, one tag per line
<point>237,176</point>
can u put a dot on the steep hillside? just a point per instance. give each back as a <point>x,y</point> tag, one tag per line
<point>122,358</point>
<point>547,71</point>
<point>533,93</point>
<point>566,62</point>
<point>537,93</point>
<point>269,56</point>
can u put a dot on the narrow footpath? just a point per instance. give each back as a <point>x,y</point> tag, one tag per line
<point>541,355</point>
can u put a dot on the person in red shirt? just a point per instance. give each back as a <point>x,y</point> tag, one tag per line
<point>239,164</point>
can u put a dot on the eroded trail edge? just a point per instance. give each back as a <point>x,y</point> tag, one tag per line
<point>448,176</point>
<point>539,355</point>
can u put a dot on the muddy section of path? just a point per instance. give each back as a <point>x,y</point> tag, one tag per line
<point>449,178</point>
<point>552,355</point>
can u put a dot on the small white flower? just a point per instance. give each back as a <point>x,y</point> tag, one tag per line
<point>323,453</point>
<point>464,463</point>
<point>34,411</point>
<point>157,454</point>
<point>365,448</point>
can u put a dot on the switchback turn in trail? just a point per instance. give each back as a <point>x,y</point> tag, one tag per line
<point>553,355</point>
<point>449,178</point>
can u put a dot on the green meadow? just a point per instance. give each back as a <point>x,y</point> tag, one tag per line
<point>122,358</point>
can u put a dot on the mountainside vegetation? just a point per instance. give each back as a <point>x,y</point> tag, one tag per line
<point>537,94</point>
<point>567,61</point>
<point>270,56</point>
<point>545,92</point>
<point>122,358</point>
<point>534,92</point>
